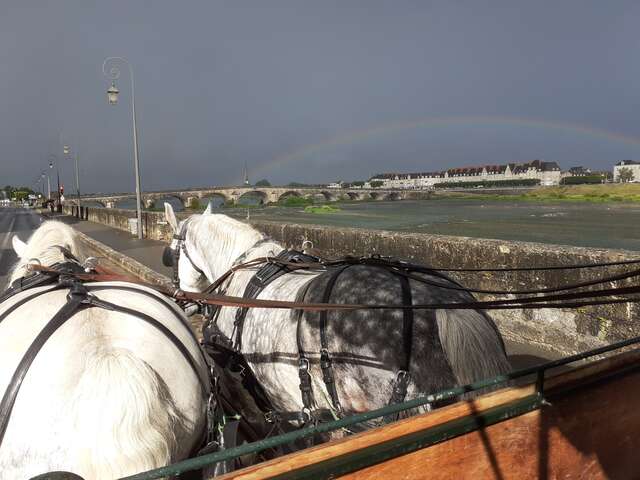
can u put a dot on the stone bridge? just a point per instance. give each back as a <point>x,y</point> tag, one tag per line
<point>265,195</point>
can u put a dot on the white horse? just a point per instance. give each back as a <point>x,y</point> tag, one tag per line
<point>109,394</point>
<point>448,347</point>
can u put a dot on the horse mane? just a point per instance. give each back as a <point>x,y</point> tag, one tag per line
<point>41,247</point>
<point>223,236</point>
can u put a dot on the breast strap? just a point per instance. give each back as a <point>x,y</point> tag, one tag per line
<point>261,279</point>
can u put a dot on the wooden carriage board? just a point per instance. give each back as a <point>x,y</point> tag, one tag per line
<point>591,429</point>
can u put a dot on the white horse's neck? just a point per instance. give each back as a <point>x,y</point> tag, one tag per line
<point>219,241</point>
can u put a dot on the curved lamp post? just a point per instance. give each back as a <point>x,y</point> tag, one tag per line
<point>42,177</point>
<point>113,73</point>
<point>59,204</point>
<point>48,182</point>
<point>66,150</point>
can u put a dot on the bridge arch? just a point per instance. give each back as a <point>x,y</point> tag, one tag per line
<point>176,201</point>
<point>289,194</point>
<point>126,203</point>
<point>328,196</point>
<point>353,195</point>
<point>392,196</point>
<point>216,198</point>
<point>253,196</point>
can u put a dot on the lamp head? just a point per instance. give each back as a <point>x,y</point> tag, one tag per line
<point>112,94</point>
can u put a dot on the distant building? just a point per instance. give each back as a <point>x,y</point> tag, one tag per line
<point>547,172</point>
<point>632,165</point>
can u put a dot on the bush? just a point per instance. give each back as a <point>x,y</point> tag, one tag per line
<point>293,201</point>
<point>263,183</point>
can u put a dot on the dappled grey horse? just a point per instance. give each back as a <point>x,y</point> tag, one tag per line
<point>375,357</point>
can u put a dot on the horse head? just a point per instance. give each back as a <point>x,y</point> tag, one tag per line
<point>53,242</point>
<point>205,246</point>
<point>188,273</point>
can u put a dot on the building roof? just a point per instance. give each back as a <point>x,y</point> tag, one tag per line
<point>627,162</point>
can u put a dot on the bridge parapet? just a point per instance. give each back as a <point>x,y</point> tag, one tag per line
<point>273,194</point>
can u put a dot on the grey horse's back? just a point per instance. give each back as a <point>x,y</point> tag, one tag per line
<point>448,347</point>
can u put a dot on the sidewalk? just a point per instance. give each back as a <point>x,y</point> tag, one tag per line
<point>147,252</point>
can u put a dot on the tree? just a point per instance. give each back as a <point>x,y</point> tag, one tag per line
<point>263,183</point>
<point>376,183</point>
<point>625,175</point>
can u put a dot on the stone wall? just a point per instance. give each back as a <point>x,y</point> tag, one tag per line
<point>559,331</point>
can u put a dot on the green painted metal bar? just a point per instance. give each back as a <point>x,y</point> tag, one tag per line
<point>397,447</point>
<point>232,453</point>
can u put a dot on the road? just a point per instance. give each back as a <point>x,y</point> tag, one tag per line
<point>13,221</point>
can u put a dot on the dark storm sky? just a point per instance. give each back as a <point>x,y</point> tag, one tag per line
<point>315,91</point>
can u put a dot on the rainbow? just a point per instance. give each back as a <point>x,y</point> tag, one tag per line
<point>498,121</point>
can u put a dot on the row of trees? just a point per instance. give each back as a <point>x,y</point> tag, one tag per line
<point>523,182</point>
<point>583,180</point>
<point>19,193</point>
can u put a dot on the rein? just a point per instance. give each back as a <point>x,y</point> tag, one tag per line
<point>578,299</point>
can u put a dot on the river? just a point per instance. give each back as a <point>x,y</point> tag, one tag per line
<point>604,225</point>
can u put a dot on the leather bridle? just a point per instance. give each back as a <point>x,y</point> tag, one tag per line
<point>171,257</point>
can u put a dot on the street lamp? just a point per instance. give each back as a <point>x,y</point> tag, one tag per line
<point>67,151</point>
<point>48,183</point>
<point>59,204</point>
<point>112,96</point>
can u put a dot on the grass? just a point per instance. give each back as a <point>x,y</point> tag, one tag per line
<point>292,201</point>
<point>602,193</point>
<point>626,192</point>
<point>322,209</point>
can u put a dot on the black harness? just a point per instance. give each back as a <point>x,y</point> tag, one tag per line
<point>171,257</point>
<point>227,351</point>
<point>79,298</point>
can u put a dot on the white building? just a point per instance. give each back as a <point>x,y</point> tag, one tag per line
<point>547,172</point>
<point>632,165</point>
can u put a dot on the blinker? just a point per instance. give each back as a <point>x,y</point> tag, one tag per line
<point>167,257</point>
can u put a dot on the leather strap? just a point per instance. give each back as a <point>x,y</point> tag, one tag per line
<point>75,299</point>
<point>325,358</point>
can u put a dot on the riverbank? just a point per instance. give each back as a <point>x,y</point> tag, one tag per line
<point>602,193</point>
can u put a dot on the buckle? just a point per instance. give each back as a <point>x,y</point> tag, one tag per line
<point>303,364</point>
<point>306,415</point>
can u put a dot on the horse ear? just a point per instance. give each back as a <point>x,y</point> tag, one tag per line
<point>209,209</point>
<point>19,246</point>
<point>170,216</point>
